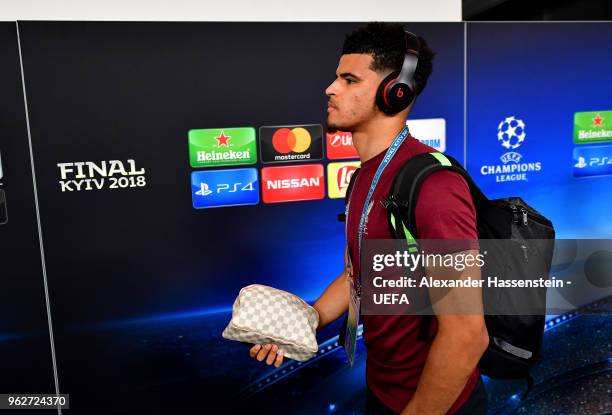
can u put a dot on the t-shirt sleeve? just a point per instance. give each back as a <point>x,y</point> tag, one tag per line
<point>445,210</point>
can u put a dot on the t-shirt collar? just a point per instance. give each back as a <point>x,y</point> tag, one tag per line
<point>375,161</point>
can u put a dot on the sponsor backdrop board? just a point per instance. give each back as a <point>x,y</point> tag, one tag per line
<point>25,349</point>
<point>157,206</point>
<point>532,132</point>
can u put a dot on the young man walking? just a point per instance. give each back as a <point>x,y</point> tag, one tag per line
<point>404,374</point>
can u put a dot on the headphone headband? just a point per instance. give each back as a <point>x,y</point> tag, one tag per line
<point>411,58</point>
<point>397,92</point>
<point>412,43</point>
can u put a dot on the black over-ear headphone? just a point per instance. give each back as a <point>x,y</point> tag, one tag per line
<point>397,91</point>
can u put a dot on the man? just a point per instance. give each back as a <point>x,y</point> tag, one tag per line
<point>404,375</point>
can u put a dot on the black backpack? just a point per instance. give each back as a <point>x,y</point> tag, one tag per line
<point>514,340</point>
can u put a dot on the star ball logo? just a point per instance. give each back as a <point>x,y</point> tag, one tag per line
<point>292,183</point>
<point>222,147</point>
<point>220,188</point>
<point>592,127</point>
<point>511,134</point>
<point>281,144</point>
<point>339,145</point>
<point>338,177</point>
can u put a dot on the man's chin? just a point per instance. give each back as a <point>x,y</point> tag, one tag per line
<point>332,128</point>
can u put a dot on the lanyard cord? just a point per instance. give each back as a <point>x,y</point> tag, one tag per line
<point>397,142</point>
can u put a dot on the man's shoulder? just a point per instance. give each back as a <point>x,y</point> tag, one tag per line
<point>416,147</point>
<point>412,147</point>
<point>443,188</point>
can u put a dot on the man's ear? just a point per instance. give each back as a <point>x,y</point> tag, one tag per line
<point>409,109</point>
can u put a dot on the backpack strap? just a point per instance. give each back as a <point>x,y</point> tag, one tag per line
<point>349,188</point>
<point>407,184</point>
<point>342,218</point>
<point>530,382</point>
<point>402,200</point>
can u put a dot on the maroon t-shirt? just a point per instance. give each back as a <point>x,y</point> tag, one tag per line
<point>395,358</point>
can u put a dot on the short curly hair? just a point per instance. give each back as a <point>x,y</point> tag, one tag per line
<point>386,43</point>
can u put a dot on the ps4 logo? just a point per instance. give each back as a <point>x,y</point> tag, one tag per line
<point>204,191</point>
<point>224,187</point>
<point>581,163</point>
<point>221,188</point>
<point>592,161</point>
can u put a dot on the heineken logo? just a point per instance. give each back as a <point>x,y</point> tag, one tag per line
<point>223,140</point>
<point>592,127</point>
<point>598,121</point>
<point>222,147</point>
<point>205,156</point>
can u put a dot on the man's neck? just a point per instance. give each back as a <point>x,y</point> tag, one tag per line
<point>375,138</point>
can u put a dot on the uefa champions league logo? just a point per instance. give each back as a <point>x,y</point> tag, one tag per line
<point>511,135</point>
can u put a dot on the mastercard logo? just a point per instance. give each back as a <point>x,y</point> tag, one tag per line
<point>291,143</point>
<point>296,140</point>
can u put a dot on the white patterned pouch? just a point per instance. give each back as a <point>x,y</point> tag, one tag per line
<point>263,314</point>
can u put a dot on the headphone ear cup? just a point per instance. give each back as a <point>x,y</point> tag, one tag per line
<point>392,96</point>
<point>382,102</point>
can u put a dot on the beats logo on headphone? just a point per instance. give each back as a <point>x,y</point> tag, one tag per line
<point>397,91</point>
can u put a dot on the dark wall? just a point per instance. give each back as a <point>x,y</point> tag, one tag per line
<point>115,91</point>
<point>25,351</point>
<point>552,10</point>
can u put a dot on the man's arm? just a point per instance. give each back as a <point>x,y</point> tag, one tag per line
<point>335,299</point>
<point>459,343</point>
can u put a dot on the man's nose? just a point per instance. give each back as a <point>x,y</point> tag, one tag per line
<point>331,89</point>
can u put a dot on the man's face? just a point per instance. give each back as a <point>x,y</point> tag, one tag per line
<point>352,94</point>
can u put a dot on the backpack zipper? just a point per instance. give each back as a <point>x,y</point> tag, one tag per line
<point>525,215</point>
<point>525,257</point>
<point>514,213</point>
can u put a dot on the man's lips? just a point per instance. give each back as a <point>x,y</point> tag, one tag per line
<point>331,107</point>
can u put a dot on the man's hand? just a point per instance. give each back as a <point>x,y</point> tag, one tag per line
<point>330,305</point>
<point>269,352</point>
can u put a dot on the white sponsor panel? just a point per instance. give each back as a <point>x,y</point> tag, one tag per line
<point>430,131</point>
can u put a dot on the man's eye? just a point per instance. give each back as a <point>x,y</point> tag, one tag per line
<point>350,81</point>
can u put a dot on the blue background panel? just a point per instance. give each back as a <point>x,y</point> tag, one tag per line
<point>541,74</point>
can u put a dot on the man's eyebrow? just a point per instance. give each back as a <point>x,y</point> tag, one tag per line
<point>349,75</point>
